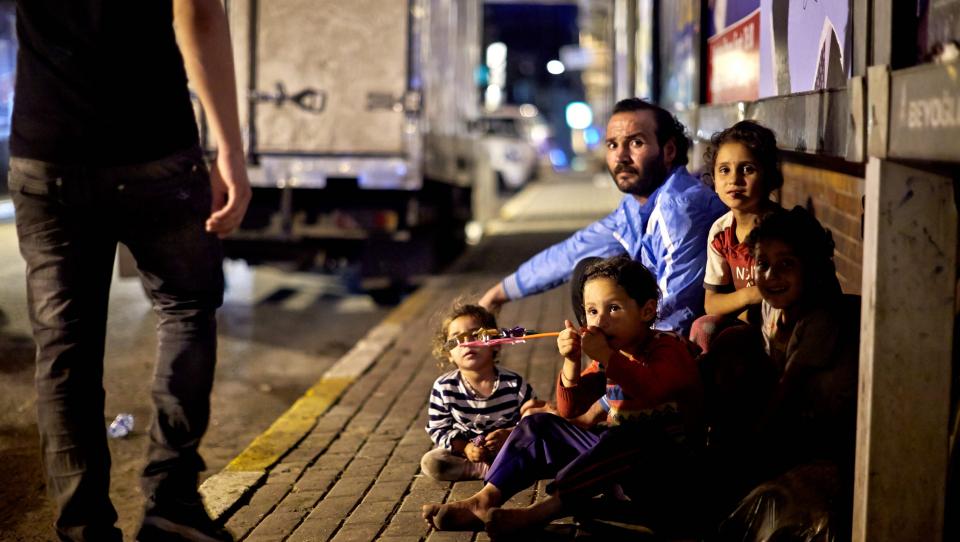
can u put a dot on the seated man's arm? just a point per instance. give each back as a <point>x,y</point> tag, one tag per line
<point>554,265</point>
<point>675,251</point>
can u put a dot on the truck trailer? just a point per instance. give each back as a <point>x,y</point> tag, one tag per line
<point>356,117</point>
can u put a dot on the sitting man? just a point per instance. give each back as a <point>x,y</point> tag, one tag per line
<point>663,219</point>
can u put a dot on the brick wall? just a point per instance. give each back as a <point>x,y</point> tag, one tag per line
<point>836,200</point>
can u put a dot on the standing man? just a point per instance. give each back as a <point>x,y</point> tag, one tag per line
<point>105,150</point>
<point>663,220</point>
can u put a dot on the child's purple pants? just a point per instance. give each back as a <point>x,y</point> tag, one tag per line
<point>538,448</point>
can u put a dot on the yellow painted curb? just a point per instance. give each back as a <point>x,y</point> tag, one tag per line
<point>290,427</point>
<point>223,490</point>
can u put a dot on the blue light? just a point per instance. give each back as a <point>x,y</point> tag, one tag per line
<point>481,75</point>
<point>558,159</point>
<point>591,136</point>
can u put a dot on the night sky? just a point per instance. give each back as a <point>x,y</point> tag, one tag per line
<point>534,34</point>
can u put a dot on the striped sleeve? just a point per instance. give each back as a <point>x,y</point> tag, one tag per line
<point>440,422</point>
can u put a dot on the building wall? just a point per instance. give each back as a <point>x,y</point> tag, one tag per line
<point>836,199</point>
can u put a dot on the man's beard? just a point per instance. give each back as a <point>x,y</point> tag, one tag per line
<point>641,185</point>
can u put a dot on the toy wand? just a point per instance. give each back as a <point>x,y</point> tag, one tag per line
<point>493,337</point>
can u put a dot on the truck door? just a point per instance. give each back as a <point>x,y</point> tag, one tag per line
<point>330,76</point>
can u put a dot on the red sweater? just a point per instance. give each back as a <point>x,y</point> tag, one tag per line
<point>663,377</point>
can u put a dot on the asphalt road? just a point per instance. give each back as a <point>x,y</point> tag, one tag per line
<point>279,332</point>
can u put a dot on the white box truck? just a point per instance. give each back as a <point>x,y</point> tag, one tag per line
<point>356,117</point>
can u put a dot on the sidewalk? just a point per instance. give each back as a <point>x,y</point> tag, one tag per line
<point>343,463</point>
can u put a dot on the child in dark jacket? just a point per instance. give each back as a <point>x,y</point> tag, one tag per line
<point>802,367</point>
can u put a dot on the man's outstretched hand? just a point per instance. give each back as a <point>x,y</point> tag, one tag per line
<point>494,298</point>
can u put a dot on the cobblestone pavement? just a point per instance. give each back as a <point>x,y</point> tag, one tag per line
<point>343,464</point>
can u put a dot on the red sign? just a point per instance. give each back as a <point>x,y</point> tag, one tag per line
<point>733,62</point>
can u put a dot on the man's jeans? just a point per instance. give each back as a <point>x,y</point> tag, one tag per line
<point>69,220</point>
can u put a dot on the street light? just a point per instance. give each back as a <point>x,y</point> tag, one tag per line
<point>578,115</point>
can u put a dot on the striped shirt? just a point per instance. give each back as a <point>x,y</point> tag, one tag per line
<point>456,413</point>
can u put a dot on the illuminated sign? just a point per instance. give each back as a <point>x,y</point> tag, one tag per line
<point>733,62</point>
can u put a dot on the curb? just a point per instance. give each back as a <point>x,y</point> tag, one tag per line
<point>222,491</point>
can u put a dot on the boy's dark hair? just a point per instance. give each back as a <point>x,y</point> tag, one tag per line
<point>629,274</point>
<point>812,244</point>
<point>459,308</point>
<point>759,140</point>
<point>668,127</point>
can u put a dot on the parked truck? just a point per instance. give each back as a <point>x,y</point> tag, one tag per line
<point>356,116</point>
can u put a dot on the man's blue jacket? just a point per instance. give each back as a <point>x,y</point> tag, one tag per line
<point>668,234</point>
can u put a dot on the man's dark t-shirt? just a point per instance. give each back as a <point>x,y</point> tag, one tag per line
<point>99,82</point>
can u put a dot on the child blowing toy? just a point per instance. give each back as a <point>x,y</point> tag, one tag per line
<point>649,388</point>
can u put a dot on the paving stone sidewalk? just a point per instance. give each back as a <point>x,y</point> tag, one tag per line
<point>355,475</point>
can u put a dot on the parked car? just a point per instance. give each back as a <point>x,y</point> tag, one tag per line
<point>511,137</point>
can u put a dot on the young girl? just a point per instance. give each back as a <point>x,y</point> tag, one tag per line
<point>810,345</point>
<point>649,388</point>
<point>473,407</point>
<point>741,164</point>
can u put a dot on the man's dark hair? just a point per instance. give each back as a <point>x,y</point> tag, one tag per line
<point>668,127</point>
<point>759,140</point>
<point>629,274</point>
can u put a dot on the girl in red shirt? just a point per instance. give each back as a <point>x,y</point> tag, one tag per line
<point>741,164</point>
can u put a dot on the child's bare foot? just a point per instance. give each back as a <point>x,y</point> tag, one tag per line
<point>428,511</point>
<point>501,521</point>
<point>455,516</point>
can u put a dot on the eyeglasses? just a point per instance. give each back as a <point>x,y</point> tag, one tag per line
<point>479,334</point>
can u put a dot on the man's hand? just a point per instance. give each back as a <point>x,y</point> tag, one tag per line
<point>536,406</point>
<point>231,194</point>
<point>595,346</point>
<point>474,453</point>
<point>495,439</point>
<point>494,298</point>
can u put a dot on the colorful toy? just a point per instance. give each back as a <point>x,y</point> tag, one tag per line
<point>516,335</point>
